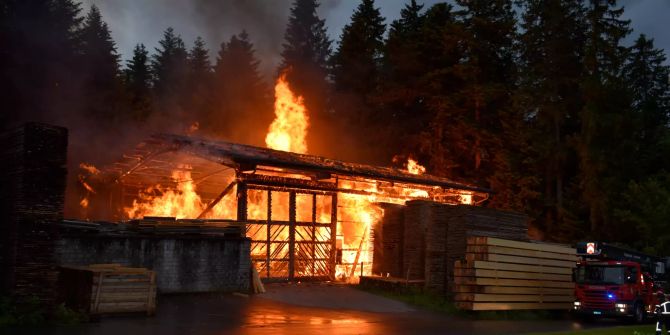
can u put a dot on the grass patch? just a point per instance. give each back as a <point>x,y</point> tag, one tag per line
<point>417,298</point>
<point>648,329</point>
<point>436,303</point>
<point>30,312</point>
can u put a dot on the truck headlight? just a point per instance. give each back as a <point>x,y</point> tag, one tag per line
<point>620,305</point>
<point>577,303</point>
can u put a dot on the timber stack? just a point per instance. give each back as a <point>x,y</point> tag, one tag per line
<point>32,186</point>
<point>499,274</point>
<point>101,289</point>
<point>391,240</point>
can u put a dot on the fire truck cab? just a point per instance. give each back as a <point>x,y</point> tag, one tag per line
<point>615,282</point>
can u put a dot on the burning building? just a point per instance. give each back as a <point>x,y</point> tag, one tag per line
<point>308,217</point>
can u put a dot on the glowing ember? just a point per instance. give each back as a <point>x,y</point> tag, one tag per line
<point>414,167</point>
<point>288,131</point>
<point>87,170</point>
<point>466,199</point>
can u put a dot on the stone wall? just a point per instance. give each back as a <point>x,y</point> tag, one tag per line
<point>182,264</point>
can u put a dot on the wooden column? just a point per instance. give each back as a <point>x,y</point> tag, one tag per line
<point>269,233</point>
<point>242,201</point>
<point>333,236</point>
<point>313,233</point>
<point>291,236</point>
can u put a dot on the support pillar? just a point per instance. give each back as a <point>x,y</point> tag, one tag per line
<point>333,236</point>
<point>291,236</point>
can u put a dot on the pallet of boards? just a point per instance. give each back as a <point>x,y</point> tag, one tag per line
<point>499,274</point>
<point>101,289</point>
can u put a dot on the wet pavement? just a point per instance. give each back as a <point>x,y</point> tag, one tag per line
<point>295,309</point>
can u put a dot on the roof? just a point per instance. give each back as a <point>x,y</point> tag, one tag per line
<point>240,155</point>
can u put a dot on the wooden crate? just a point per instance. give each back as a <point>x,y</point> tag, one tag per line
<point>499,274</point>
<point>108,289</point>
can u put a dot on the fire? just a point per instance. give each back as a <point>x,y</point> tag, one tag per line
<point>288,131</point>
<point>357,212</point>
<point>414,167</point>
<point>180,202</point>
<point>87,170</point>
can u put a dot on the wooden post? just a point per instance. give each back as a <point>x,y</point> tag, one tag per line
<point>333,236</point>
<point>241,201</point>
<point>313,234</point>
<point>291,236</point>
<point>269,233</point>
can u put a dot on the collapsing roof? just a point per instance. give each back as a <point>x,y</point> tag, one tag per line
<point>245,158</point>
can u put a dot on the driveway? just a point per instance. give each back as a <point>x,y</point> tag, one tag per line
<point>300,309</point>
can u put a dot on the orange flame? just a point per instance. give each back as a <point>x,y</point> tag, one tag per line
<point>288,131</point>
<point>181,202</point>
<point>414,167</point>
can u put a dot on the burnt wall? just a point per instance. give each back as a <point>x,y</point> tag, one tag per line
<point>182,264</point>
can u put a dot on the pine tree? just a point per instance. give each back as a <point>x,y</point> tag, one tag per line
<point>39,63</point>
<point>305,54</point>
<point>399,97</point>
<point>488,73</point>
<point>401,59</point>
<point>100,65</point>
<point>200,80</point>
<point>200,66</point>
<point>647,76</point>
<point>357,59</point>
<point>603,145</point>
<point>241,98</point>
<point>551,52</point>
<point>170,68</point>
<point>138,83</point>
<point>639,210</point>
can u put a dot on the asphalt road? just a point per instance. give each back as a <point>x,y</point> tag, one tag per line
<point>299,309</point>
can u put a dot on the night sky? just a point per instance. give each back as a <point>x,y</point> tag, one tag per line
<point>133,21</point>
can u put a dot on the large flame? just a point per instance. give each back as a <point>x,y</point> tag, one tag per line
<point>288,131</point>
<point>181,202</point>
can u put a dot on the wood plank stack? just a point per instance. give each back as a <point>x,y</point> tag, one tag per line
<point>499,274</point>
<point>32,186</point>
<point>100,289</point>
<point>391,240</point>
<point>464,221</point>
<point>418,215</point>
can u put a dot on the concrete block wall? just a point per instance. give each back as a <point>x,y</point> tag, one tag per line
<point>181,264</point>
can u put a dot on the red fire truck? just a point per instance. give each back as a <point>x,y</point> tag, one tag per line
<point>615,282</point>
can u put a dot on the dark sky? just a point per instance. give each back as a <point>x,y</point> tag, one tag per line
<point>143,21</point>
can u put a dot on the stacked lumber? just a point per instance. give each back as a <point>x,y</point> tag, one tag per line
<point>436,249</point>
<point>498,274</point>
<point>108,289</point>
<point>418,215</point>
<point>32,186</point>
<point>464,221</point>
<point>391,240</point>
